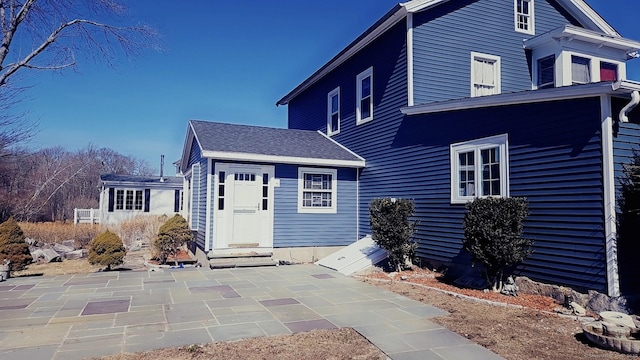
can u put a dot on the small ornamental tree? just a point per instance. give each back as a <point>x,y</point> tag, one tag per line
<point>392,229</point>
<point>172,235</point>
<point>493,236</point>
<point>13,246</point>
<point>106,249</point>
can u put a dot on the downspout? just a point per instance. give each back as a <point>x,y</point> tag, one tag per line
<point>635,100</point>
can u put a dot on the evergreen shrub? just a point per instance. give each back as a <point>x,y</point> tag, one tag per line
<point>13,246</point>
<point>107,249</point>
<point>172,235</point>
<point>392,229</point>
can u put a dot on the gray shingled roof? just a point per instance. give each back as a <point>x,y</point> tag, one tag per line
<point>140,179</point>
<point>247,139</point>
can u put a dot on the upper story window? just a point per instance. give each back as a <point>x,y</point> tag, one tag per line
<point>317,190</point>
<point>479,168</point>
<point>333,112</point>
<point>364,96</point>
<point>523,16</point>
<point>485,74</point>
<point>546,72</point>
<point>608,71</point>
<point>580,70</point>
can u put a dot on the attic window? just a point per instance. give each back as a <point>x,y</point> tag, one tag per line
<point>523,16</point>
<point>608,71</point>
<point>580,70</point>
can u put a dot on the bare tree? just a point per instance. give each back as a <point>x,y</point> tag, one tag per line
<point>50,35</point>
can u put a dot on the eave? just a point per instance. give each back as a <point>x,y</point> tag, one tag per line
<point>262,158</point>
<point>530,96</point>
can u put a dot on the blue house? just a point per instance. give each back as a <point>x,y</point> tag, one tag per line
<point>450,100</point>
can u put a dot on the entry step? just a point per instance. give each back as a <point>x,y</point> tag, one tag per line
<point>239,262</point>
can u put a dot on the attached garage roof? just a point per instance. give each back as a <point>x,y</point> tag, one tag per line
<point>264,144</point>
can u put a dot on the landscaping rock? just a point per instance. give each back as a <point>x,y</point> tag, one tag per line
<point>74,255</point>
<point>578,309</point>
<point>36,255</point>
<point>31,241</point>
<point>70,243</point>
<point>51,255</point>
<point>62,249</point>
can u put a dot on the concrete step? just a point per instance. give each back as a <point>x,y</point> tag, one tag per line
<point>238,262</point>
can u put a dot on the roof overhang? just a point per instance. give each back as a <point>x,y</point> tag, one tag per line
<point>570,32</point>
<point>140,185</point>
<point>577,8</point>
<point>250,157</point>
<point>530,96</point>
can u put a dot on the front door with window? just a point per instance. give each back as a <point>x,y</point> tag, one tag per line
<point>243,206</point>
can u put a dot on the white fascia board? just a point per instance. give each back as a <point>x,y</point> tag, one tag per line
<point>247,157</point>
<point>420,5</point>
<point>585,14</point>
<point>341,146</point>
<point>531,96</point>
<point>574,32</point>
<point>190,136</point>
<point>141,185</point>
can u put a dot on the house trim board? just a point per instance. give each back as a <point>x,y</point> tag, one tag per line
<point>409,59</point>
<point>208,218</point>
<point>609,196</point>
<point>343,147</point>
<point>249,157</point>
<point>529,96</point>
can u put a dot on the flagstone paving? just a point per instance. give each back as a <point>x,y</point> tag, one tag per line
<point>77,316</point>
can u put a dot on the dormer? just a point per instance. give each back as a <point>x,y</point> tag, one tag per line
<point>571,55</point>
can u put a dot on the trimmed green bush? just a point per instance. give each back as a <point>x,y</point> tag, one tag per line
<point>392,229</point>
<point>107,249</point>
<point>13,246</point>
<point>172,235</point>
<point>493,236</point>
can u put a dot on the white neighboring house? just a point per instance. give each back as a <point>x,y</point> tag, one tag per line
<point>123,197</point>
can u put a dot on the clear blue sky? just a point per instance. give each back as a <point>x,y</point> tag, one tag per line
<point>223,61</point>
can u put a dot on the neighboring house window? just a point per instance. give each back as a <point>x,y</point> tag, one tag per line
<point>333,112</point>
<point>523,16</point>
<point>479,168</point>
<point>580,70</point>
<point>485,74</point>
<point>608,71</point>
<point>547,72</point>
<point>364,98</point>
<point>129,200</point>
<point>317,190</point>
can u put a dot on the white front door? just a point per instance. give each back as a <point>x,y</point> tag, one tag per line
<point>243,206</point>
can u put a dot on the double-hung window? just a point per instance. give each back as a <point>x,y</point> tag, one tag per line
<point>523,16</point>
<point>317,190</point>
<point>485,74</point>
<point>479,168</point>
<point>364,96</point>
<point>333,112</point>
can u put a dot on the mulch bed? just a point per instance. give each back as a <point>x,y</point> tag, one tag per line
<point>437,280</point>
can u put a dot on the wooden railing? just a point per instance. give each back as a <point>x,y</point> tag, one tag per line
<point>86,216</point>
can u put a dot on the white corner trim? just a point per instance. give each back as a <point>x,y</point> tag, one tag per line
<point>208,211</point>
<point>410,59</point>
<point>611,249</point>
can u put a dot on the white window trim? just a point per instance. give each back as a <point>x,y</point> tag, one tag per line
<point>497,72</point>
<point>124,200</point>
<point>334,193</point>
<point>502,142</point>
<point>566,78</point>
<point>362,75</point>
<point>532,23</point>
<point>536,71</point>
<point>330,95</point>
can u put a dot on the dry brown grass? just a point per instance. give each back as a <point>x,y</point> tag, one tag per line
<point>79,266</point>
<point>141,229</point>
<point>57,232</point>
<point>317,344</point>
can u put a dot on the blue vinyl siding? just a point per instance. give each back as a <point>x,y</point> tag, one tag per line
<point>555,161</point>
<point>387,56</point>
<point>199,205</point>
<point>626,139</point>
<point>195,155</point>
<point>293,229</point>
<point>445,36</point>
